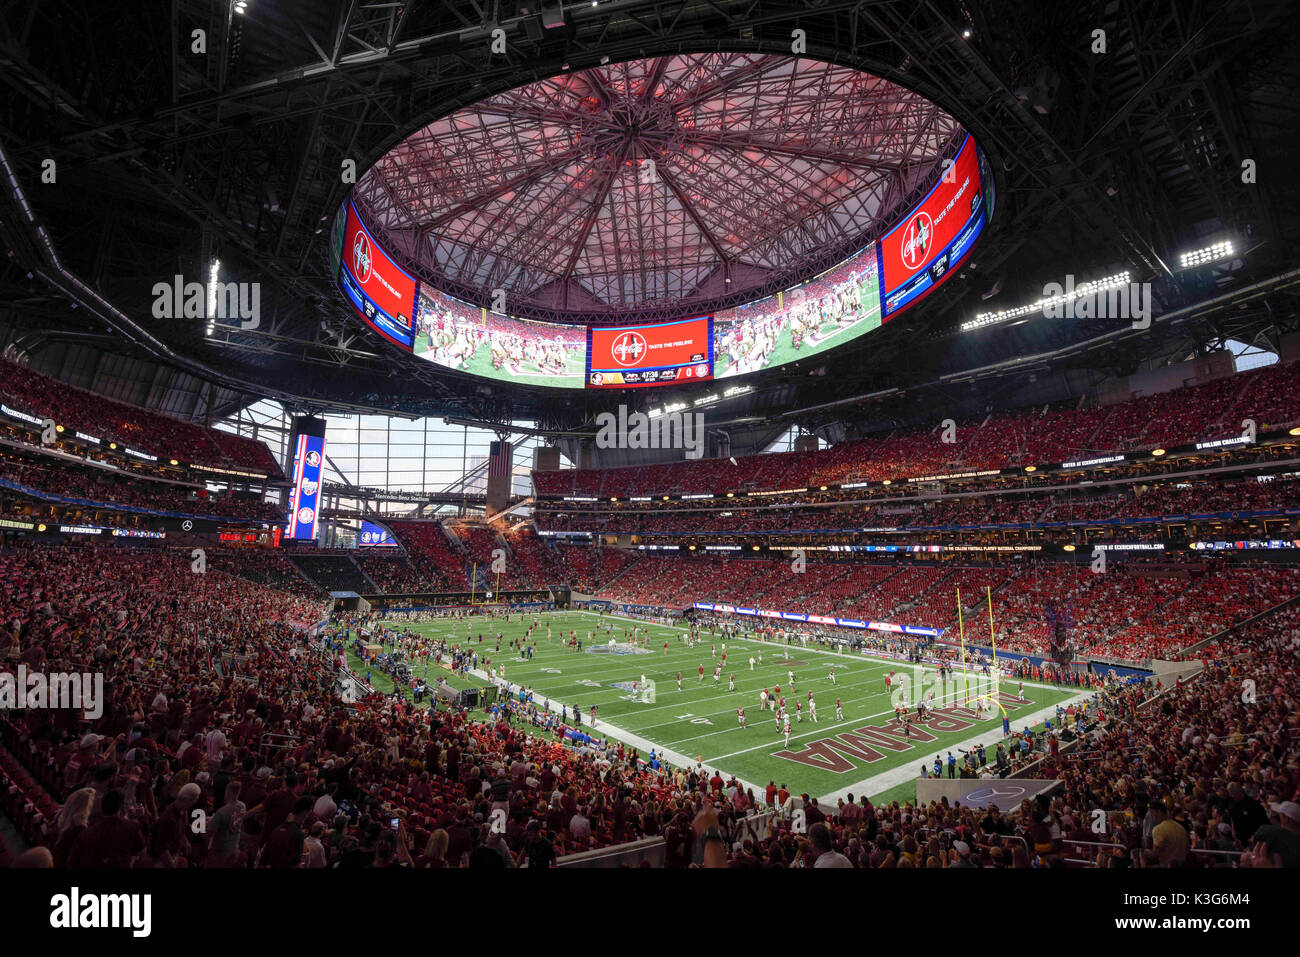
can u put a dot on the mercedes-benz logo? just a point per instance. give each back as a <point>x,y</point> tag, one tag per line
<point>187,526</point>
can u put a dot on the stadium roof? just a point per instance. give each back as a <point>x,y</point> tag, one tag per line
<point>1103,162</point>
<point>663,184</point>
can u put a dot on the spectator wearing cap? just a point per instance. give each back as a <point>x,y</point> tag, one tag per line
<point>1278,844</point>
<point>960,855</point>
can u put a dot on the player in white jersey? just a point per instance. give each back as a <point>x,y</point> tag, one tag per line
<point>762,700</point>
<point>751,662</point>
<point>731,685</point>
<point>790,675</point>
<point>839,710</point>
<point>740,716</point>
<point>812,710</point>
<point>717,673</point>
<point>832,675</point>
<point>787,731</point>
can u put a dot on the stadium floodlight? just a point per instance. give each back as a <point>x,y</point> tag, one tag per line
<point>1041,306</point>
<point>213,271</point>
<point>241,7</point>
<point>1200,257</point>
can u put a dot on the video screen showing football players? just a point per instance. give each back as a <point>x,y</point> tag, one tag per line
<point>820,315</point>
<point>459,336</point>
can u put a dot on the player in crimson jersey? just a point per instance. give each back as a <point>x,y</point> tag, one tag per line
<point>839,710</point>
<point>701,672</point>
<point>798,710</point>
<point>740,715</point>
<point>679,681</point>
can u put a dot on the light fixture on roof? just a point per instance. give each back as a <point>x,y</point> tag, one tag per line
<point>1031,468</point>
<point>1068,548</point>
<point>1294,431</point>
<point>241,6</point>
<point>1040,306</point>
<point>965,34</point>
<point>1157,452</point>
<point>1200,257</point>
<point>213,271</point>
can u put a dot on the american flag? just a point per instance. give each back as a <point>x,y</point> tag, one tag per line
<point>500,460</point>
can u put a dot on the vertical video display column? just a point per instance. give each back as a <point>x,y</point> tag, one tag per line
<point>308,466</point>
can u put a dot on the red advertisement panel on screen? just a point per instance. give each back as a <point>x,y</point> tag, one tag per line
<point>650,355</point>
<point>931,226</point>
<point>649,347</point>
<point>390,289</point>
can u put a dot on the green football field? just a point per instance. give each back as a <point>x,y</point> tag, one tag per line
<point>863,753</point>
<point>480,363</point>
<point>834,336</point>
